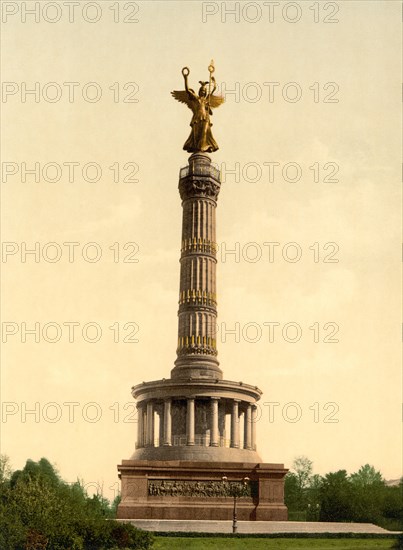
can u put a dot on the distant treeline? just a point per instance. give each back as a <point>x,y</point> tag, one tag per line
<point>362,496</point>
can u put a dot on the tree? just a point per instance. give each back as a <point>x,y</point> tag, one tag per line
<point>39,510</point>
<point>303,470</point>
<point>302,467</point>
<point>368,493</point>
<point>314,497</point>
<point>115,504</point>
<point>336,497</point>
<point>291,492</point>
<point>13,532</point>
<point>5,468</point>
<point>392,505</point>
<point>367,476</point>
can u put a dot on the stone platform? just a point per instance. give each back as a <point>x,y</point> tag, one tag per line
<point>190,490</point>
<point>256,527</point>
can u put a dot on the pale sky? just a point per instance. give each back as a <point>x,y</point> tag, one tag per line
<point>332,111</point>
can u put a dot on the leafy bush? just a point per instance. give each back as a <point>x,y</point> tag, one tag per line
<point>360,497</point>
<point>39,510</point>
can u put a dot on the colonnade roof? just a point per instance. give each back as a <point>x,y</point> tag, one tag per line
<point>196,388</point>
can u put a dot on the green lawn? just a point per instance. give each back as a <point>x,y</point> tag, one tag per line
<point>217,543</point>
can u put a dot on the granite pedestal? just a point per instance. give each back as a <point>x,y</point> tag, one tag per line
<point>196,490</point>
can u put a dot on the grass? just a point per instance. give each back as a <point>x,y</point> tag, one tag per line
<point>218,543</point>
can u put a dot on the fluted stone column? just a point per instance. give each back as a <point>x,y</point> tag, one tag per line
<point>150,425</point>
<point>167,422</point>
<point>199,186</point>
<point>235,424</point>
<point>248,428</point>
<point>161,427</point>
<point>254,418</point>
<point>190,422</point>
<point>214,422</point>
<point>140,426</point>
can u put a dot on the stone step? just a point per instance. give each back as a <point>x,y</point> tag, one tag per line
<point>199,526</point>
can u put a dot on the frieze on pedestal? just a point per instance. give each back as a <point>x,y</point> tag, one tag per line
<point>200,488</point>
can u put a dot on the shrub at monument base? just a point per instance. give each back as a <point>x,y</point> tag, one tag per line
<point>39,510</point>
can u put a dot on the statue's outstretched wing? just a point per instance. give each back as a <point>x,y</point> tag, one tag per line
<point>216,101</point>
<point>183,97</point>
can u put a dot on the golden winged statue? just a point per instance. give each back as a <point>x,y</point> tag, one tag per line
<point>200,139</point>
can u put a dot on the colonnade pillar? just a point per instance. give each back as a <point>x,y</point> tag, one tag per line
<point>146,424</point>
<point>254,419</point>
<point>167,422</point>
<point>247,440</point>
<point>150,425</point>
<point>235,424</point>
<point>161,415</point>
<point>140,426</point>
<point>214,422</point>
<point>190,422</point>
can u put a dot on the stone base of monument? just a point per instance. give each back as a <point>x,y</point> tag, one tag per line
<point>295,529</point>
<point>187,490</point>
